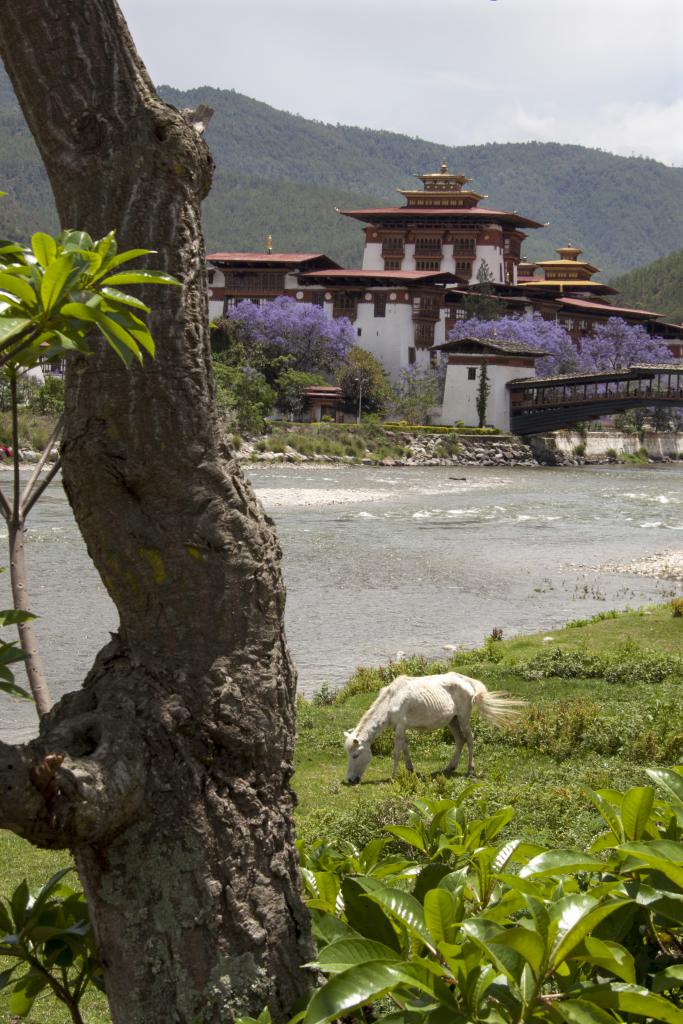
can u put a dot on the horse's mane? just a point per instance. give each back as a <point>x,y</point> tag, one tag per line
<point>385,694</point>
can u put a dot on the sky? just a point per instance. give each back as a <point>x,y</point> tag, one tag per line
<point>601,73</point>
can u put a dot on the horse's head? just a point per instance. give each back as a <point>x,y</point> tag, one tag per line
<point>359,752</point>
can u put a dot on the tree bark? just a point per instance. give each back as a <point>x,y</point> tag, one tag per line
<point>168,773</point>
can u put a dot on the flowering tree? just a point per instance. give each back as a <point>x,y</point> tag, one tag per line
<point>417,391</point>
<point>545,335</point>
<point>306,334</point>
<point>618,344</point>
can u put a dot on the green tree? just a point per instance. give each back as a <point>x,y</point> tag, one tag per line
<point>243,394</point>
<point>483,392</point>
<point>362,376</point>
<point>290,386</point>
<point>419,389</point>
<point>481,301</point>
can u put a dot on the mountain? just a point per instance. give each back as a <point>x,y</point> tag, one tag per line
<point>281,174</point>
<point>658,286</point>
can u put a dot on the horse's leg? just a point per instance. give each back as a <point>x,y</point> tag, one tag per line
<point>467,733</point>
<point>398,746</point>
<point>406,754</point>
<point>459,738</point>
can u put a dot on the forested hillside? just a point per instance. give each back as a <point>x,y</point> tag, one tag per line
<point>658,286</point>
<point>281,174</point>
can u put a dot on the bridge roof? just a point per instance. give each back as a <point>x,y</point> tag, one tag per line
<point>502,345</point>
<point>632,373</point>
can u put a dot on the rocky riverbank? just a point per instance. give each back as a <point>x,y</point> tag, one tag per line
<point>666,565</point>
<point>418,450</point>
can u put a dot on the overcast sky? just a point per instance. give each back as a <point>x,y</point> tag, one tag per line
<point>601,73</point>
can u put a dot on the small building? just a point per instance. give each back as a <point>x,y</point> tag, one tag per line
<point>505,361</point>
<point>322,402</point>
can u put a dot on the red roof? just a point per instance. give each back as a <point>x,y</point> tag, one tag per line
<point>440,211</point>
<point>388,275</point>
<point>292,258</point>
<point>604,307</point>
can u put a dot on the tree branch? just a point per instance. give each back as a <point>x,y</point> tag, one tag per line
<point>26,502</point>
<point>45,483</point>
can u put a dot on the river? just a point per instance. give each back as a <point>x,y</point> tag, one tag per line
<point>378,560</point>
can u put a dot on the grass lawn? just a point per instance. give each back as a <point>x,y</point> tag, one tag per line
<point>578,730</point>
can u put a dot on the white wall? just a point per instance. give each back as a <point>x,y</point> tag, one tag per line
<point>388,337</point>
<point>372,256</point>
<point>494,257</point>
<point>460,395</point>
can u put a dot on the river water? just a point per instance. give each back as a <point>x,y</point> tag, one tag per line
<point>378,560</point>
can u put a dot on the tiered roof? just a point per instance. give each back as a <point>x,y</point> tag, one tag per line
<point>568,273</point>
<point>442,196</point>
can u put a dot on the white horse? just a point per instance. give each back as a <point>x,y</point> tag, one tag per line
<point>426,702</point>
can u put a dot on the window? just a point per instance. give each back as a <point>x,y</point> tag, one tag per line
<point>463,267</point>
<point>392,264</point>
<point>318,299</point>
<point>359,331</point>
<point>433,358</point>
<point>412,355</point>
<point>211,276</point>
<point>471,373</point>
<point>428,264</point>
<point>380,299</point>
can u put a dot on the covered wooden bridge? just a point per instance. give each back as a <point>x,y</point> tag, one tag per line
<point>540,404</point>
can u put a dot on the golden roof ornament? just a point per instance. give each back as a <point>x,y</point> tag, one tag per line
<point>269,244</point>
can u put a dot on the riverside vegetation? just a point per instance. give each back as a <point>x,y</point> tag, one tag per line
<point>605,707</point>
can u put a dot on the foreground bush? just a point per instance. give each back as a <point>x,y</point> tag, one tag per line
<point>457,924</point>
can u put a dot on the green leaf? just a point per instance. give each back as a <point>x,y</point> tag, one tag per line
<point>11,326</point>
<point>12,689</point>
<point>116,296</point>
<point>669,979</point>
<point>440,916</point>
<point>408,835</point>
<point>608,813</point>
<point>6,976</point>
<point>366,917</point>
<point>528,944</point>
<point>123,257</point>
<point>11,616</point>
<point>609,955</point>
<point>429,877</point>
<point>353,988</point>
<point>75,240</point>
<point>19,903</point>
<point>561,862</point>
<point>140,277</point>
<point>661,854</point>
<point>56,280</point>
<point>405,907</point>
<point>327,928</point>
<point>633,999</point>
<point>41,899</point>
<point>669,780</point>
<point>635,810</point>
<point>17,285</point>
<point>573,918</point>
<point>575,1011</point>
<point>44,248</point>
<point>338,956</point>
<point>6,923</point>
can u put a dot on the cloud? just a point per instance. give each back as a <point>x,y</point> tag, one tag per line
<point>630,129</point>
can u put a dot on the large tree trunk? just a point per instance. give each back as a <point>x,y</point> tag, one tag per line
<point>168,773</point>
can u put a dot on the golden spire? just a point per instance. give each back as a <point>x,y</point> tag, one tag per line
<point>269,244</point>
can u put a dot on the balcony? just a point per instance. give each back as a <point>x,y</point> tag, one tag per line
<point>426,309</point>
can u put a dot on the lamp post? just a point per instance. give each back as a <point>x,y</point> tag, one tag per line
<point>359,382</point>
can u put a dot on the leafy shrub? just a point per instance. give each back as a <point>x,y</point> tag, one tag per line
<point>636,666</point>
<point>466,925</point>
<point>571,663</point>
<point>580,449</point>
<point>677,607</point>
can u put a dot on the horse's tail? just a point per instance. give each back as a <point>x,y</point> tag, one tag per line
<point>497,706</point>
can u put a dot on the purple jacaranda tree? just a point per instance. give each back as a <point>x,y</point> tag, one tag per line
<point>306,335</point>
<point>617,344</point>
<point>545,335</point>
<point>613,345</point>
